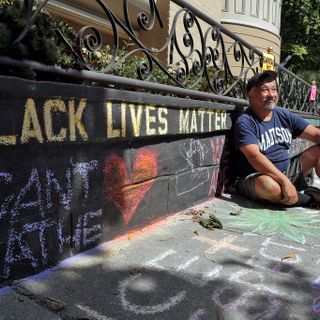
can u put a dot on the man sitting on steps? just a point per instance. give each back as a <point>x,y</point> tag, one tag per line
<point>262,136</point>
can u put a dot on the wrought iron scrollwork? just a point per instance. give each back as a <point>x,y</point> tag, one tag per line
<point>145,20</point>
<point>30,15</point>
<point>293,92</point>
<point>202,54</point>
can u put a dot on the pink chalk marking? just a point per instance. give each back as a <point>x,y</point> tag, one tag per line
<point>316,305</point>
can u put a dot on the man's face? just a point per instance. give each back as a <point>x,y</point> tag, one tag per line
<point>264,95</point>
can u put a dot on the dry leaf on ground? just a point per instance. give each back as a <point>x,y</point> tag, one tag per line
<point>196,214</point>
<point>236,213</point>
<point>211,222</point>
<point>291,255</point>
<point>208,257</point>
<point>54,304</point>
<point>167,239</point>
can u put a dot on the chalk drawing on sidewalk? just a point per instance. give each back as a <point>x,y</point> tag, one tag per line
<point>154,262</point>
<point>216,245</point>
<point>273,305</point>
<point>291,224</point>
<point>225,299</point>
<point>133,283</point>
<point>234,303</point>
<point>159,263</point>
<point>316,304</point>
<point>194,154</point>
<point>213,274</point>
<point>316,283</point>
<point>272,310</point>
<point>92,313</point>
<point>258,284</point>
<point>267,243</point>
<point>197,315</point>
<point>187,263</point>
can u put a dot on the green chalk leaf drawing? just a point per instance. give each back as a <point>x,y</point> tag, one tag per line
<point>292,224</point>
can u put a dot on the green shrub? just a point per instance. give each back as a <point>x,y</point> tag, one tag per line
<point>41,43</point>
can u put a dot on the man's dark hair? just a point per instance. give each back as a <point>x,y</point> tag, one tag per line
<point>259,78</point>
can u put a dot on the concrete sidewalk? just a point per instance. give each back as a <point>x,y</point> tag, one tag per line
<point>263,264</point>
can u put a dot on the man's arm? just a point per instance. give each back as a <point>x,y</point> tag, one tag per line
<point>311,133</point>
<point>263,165</point>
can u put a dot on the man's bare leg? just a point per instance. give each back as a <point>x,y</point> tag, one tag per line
<point>311,159</point>
<point>268,189</point>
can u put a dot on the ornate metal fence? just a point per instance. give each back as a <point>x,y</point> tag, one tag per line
<point>205,60</point>
<point>294,91</point>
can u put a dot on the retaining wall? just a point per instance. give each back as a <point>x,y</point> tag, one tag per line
<point>81,165</point>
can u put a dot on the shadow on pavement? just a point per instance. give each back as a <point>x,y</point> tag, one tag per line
<point>100,288</point>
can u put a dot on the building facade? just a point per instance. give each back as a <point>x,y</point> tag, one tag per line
<point>255,21</point>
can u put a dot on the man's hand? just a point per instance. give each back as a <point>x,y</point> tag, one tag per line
<point>263,165</point>
<point>289,193</point>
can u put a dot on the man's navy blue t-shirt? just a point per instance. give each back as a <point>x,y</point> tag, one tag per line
<point>273,137</point>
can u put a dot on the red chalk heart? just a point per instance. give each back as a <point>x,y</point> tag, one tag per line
<point>127,192</point>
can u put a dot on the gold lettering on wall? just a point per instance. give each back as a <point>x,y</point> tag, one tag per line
<point>75,120</point>
<point>210,114</point>
<point>8,140</point>
<point>51,106</point>
<point>194,125</point>
<point>184,121</point>
<point>139,119</point>
<point>136,118</point>
<point>150,120</point>
<point>154,119</point>
<point>217,120</point>
<point>163,120</point>
<point>111,132</point>
<point>123,119</point>
<point>199,118</point>
<point>30,127</point>
<point>223,120</point>
<point>201,113</point>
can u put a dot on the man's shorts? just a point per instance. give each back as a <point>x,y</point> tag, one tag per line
<point>245,186</point>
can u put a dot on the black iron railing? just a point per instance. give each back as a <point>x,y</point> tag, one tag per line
<point>294,91</point>
<point>201,62</point>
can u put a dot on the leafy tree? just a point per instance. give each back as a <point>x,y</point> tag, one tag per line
<point>41,43</point>
<point>300,32</point>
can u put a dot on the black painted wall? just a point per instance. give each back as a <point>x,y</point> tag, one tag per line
<point>81,165</point>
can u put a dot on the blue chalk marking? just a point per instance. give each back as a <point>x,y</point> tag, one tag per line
<point>66,262</point>
<point>5,290</point>
<point>316,305</point>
